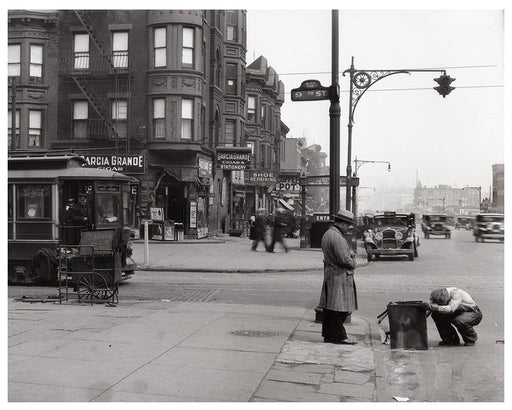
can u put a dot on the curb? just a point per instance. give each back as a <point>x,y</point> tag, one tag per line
<point>361,262</point>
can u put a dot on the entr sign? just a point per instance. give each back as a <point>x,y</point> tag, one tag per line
<point>128,164</point>
<point>233,158</point>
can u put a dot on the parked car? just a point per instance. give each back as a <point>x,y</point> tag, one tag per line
<point>435,224</point>
<point>391,233</point>
<point>489,226</point>
<point>464,222</point>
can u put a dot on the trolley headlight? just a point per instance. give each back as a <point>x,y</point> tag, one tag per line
<point>378,236</point>
<point>398,235</point>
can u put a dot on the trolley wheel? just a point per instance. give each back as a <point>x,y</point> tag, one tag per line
<point>93,286</point>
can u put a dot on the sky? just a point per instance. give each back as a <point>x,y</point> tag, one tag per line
<point>401,119</point>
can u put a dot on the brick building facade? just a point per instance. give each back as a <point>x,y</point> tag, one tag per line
<point>166,88</point>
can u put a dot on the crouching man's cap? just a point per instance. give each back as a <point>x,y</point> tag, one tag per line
<point>344,216</point>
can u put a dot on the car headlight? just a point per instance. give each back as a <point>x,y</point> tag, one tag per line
<point>398,235</point>
<point>378,236</point>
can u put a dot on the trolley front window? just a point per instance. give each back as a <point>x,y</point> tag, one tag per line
<point>109,204</point>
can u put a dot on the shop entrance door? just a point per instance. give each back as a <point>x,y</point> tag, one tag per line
<point>176,203</point>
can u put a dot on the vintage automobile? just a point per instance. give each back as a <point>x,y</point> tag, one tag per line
<point>391,233</point>
<point>435,224</point>
<point>464,222</point>
<point>489,226</point>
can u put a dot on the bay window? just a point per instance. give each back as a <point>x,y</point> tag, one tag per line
<point>187,119</point>
<point>160,48</point>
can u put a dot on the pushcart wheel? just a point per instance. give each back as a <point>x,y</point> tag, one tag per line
<point>92,286</point>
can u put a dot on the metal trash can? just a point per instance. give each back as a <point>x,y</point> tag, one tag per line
<point>408,325</point>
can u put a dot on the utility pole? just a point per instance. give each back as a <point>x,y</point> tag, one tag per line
<point>334,122</point>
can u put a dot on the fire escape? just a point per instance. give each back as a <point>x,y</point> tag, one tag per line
<point>88,71</point>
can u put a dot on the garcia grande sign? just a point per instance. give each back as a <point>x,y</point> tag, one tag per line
<point>233,158</point>
<point>128,164</point>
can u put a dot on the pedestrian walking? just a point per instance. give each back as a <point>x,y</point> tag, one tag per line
<point>339,296</point>
<point>260,229</point>
<point>278,227</point>
<point>454,308</point>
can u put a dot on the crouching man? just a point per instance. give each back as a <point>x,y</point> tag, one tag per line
<point>452,309</point>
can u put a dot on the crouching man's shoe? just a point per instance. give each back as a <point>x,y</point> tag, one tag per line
<point>469,343</point>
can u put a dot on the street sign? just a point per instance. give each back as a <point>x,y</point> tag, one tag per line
<point>323,180</point>
<point>310,90</point>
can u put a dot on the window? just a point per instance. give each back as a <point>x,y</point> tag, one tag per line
<point>159,118</point>
<point>231,79</point>
<point>14,58</point>
<point>80,119</point>
<point>187,52</point>
<point>262,155</point>
<point>250,144</point>
<point>35,128</point>
<point>230,133</point>
<point>120,117</point>
<point>231,25</point>
<point>81,51</point>
<point>33,202</point>
<point>263,115</point>
<point>160,47</point>
<point>120,49</point>
<point>251,109</point>
<point>9,128</point>
<point>36,62</point>
<point>187,119</point>
<point>33,212</point>
<point>231,33</point>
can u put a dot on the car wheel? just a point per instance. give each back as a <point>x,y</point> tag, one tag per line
<point>415,252</point>
<point>411,256</point>
<point>427,236</point>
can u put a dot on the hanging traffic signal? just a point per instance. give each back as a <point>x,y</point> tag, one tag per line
<point>444,87</point>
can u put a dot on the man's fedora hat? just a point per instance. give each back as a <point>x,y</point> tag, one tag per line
<point>344,216</point>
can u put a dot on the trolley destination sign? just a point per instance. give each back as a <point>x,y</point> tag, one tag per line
<point>310,90</point>
<point>323,180</point>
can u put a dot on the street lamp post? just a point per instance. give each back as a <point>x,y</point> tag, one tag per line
<point>358,163</point>
<point>360,81</point>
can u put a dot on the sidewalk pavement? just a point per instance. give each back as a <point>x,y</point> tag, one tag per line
<point>228,254</point>
<point>143,351</point>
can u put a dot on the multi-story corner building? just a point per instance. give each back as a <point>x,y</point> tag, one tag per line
<point>498,188</point>
<point>155,94</point>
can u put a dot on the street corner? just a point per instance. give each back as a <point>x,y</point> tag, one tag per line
<point>307,369</point>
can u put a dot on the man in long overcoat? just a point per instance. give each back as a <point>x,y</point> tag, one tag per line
<point>339,297</point>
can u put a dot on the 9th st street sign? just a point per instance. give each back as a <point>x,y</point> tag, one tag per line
<point>311,90</point>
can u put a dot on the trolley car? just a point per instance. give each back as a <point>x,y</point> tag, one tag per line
<point>46,224</point>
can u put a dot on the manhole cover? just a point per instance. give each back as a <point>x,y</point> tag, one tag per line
<point>252,333</point>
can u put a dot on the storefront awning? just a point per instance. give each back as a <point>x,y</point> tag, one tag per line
<point>284,204</point>
<point>183,174</point>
